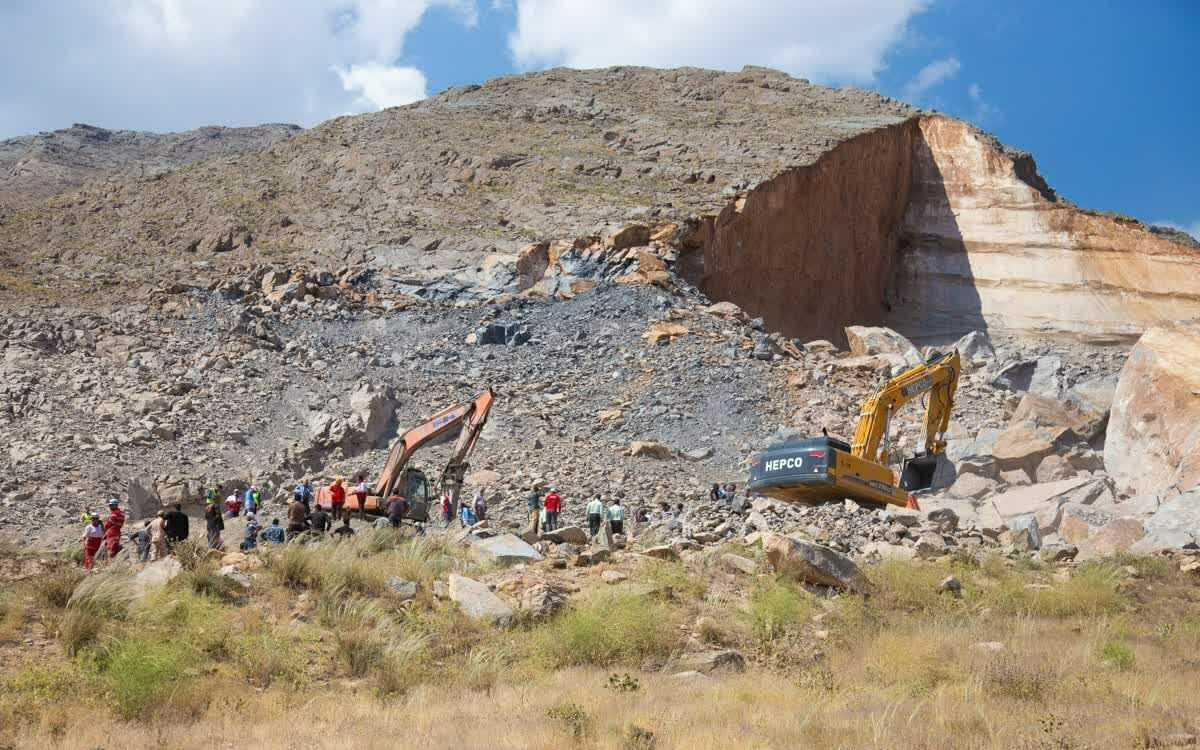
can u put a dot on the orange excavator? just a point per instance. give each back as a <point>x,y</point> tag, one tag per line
<point>400,479</point>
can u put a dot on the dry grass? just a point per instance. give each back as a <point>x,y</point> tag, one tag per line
<point>1099,660</point>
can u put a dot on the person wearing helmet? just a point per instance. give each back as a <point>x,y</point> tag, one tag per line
<point>112,528</point>
<point>93,535</point>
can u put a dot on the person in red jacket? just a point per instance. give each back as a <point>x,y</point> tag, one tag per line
<point>112,528</point>
<point>337,498</point>
<point>553,504</point>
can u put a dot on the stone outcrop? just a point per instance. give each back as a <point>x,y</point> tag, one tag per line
<point>814,563</point>
<point>1153,439</point>
<point>986,244</point>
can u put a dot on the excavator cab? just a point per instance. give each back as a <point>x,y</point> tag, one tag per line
<point>414,487</point>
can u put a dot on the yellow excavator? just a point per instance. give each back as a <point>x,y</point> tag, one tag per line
<point>824,469</point>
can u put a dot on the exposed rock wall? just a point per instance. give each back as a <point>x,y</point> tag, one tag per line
<point>811,250</point>
<point>986,245</point>
<point>1153,440</point>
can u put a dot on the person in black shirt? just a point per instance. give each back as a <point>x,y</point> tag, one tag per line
<point>320,520</point>
<point>175,524</point>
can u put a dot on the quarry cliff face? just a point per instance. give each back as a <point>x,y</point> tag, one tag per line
<point>983,245</point>
<point>813,249</point>
<point>933,228</point>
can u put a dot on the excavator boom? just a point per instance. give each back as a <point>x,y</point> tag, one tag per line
<point>468,417</point>
<point>823,469</point>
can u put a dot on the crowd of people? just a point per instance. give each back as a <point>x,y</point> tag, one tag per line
<point>102,534</point>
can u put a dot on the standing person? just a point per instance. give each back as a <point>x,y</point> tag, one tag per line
<point>616,517</point>
<point>93,536</point>
<point>298,492</point>
<point>175,524</point>
<point>214,523</point>
<point>553,504</point>
<point>466,516</point>
<point>250,504</point>
<point>344,530</point>
<point>319,520</point>
<point>480,506</point>
<point>274,534</point>
<point>141,541</point>
<point>296,516</point>
<point>158,536</point>
<point>397,508</point>
<point>233,505</point>
<point>447,510</point>
<point>112,528</point>
<point>595,514</point>
<point>360,494</point>
<point>337,498</point>
<point>250,540</point>
<point>534,505</point>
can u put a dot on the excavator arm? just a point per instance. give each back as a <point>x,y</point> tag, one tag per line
<point>938,377</point>
<point>469,417</point>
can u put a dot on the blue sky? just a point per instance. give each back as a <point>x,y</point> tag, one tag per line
<point>1106,95</point>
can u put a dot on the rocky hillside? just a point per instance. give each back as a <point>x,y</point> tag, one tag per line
<point>35,167</point>
<point>656,270</point>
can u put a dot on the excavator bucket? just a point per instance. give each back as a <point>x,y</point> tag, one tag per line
<point>918,472</point>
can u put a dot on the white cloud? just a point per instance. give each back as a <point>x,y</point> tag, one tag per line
<point>982,110</point>
<point>178,64</point>
<point>823,41</point>
<point>382,86</point>
<point>1192,228</point>
<point>932,75</point>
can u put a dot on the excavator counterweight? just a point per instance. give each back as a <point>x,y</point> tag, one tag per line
<point>826,469</point>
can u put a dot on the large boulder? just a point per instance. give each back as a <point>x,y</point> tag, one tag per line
<point>706,662</point>
<point>975,349</point>
<point>813,563</point>
<point>1045,501</point>
<point>566,535</point>
<point>478,601</point>
<point>143,498</point>
<point>372,414</point>
<point>1175,524</point>
<point>1152,445</point>
<point>505,549</point>
<point>878,341</point>
<point>1041,426</point>
<point>1042,376</point>
<point>977,455</point>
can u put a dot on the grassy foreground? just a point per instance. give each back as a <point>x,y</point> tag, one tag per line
<point>319,652</point>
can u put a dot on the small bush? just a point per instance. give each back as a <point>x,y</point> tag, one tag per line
<point>638,738</point>
<point>776,606</point>
<point>145,671</point>
<point>294,566</point>
<point>623,683</point>
<point>672,580</point>
<point>1008,677</point>
<point>404,664</point>
<point>205,580</point>
<point>266,655</point>
<point>55,589</point>
<point>12,615</point>
<point>1118,654</point>
<point>575,721</point>
<point>609,628</point>
<point>191,552</point>
<point>1094,589</point>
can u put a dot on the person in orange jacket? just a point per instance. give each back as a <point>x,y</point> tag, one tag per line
<point>337,498</point>
<point>112,528</point>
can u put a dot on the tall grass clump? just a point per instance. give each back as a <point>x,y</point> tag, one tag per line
<point>362,629</point>
<point>774,607</point>
<point>145,671</point>
<point>607,629</point>
<point>96,601</point>
<point>1095,588</point>
<point>206,580</point>
<point>54,590</point>
<point>672,580</point>
<point>295,566</point>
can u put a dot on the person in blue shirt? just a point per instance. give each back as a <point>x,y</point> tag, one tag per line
<point>252,528</point>
<point>273,534</point>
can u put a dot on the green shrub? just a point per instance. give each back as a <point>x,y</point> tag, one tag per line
<point>1118,654</point>
<point>266,655</point>
<point>205,579</point>
<point>775,606</point>
<point>573,719</point>
<point>144,671</point>
<point>911,586</point>
<point>607,629</point>
<point>191,552</point>
<point>295,566</point>
<point>672,580</point>
<point>638,738</point>
<point>55,589</point>
<point>1094,589</point>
